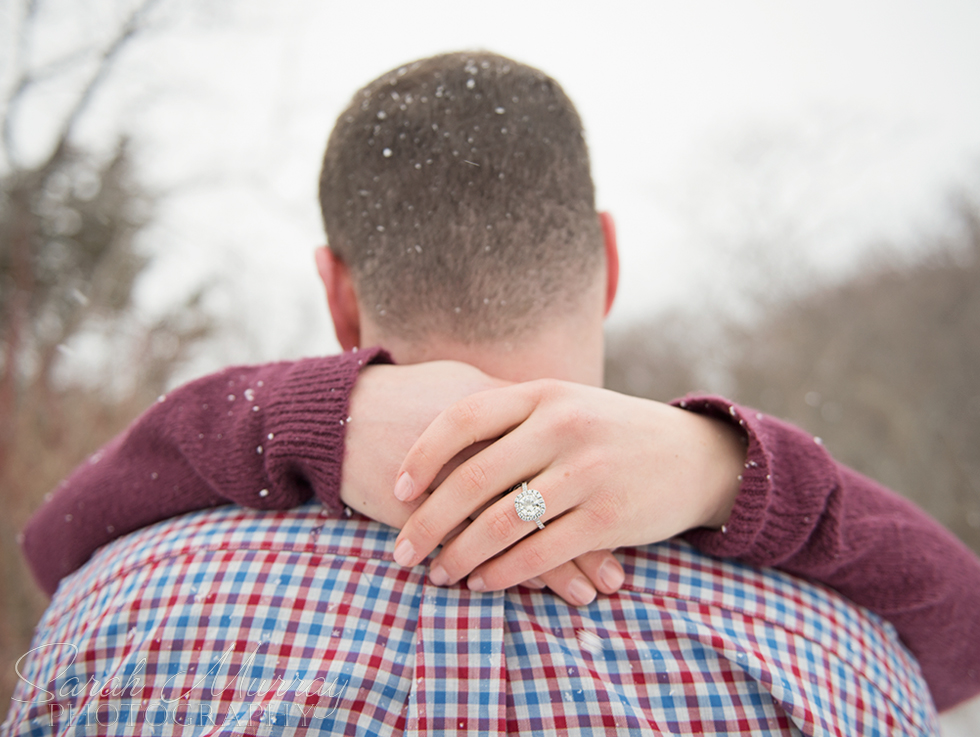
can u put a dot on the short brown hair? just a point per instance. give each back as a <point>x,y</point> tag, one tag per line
<point>457,189</point>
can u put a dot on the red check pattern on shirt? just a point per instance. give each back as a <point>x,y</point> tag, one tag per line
<point>231,621</point>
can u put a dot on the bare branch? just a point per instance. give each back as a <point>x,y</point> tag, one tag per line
<point>20,63</point>
<point>133,24</point>
<point>130,28</point>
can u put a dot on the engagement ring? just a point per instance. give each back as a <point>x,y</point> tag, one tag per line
<point>530,505</point>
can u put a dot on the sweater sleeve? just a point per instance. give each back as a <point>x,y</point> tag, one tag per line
<point>268,437</point>
<point>802,512</point>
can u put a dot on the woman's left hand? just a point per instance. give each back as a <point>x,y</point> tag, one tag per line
<point>613,470</point>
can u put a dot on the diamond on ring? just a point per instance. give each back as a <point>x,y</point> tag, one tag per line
<point>530,505</point>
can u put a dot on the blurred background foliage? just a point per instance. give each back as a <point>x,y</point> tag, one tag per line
<point>884,366</point>
<point>70,258</point>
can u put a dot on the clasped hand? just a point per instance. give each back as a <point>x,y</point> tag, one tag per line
<point>390,408</point>
<point>613,470</point>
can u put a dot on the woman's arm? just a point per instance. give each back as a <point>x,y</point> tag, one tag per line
<point>260,436</point>
<point>802,512</point>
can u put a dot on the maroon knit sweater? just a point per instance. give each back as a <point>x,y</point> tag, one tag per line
<point>271,437</point>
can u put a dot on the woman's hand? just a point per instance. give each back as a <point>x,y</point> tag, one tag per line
<point>613,470</point>
<point>390,408</point>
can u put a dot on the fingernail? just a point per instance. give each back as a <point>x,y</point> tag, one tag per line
<point>536,583</point>
<point>581,591</point>
<point>404,487</point>
<point>611,575</point>
<point>405,553</point>
<point>475,582</point>
<point>438,575</point>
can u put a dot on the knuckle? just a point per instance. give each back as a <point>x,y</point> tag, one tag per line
<point>500,523</point>
<point>603,511</point>
<point>466,415</point>
<point>421,456</point>
<point>532,558</point>
<point>473,478</point>
<point>576,422</point>
<point>427,530</point>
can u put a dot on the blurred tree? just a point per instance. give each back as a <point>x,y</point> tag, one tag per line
<point>657,358</point>
<point>67,225</point>
<point>884,367</point>
<point>69,261</point>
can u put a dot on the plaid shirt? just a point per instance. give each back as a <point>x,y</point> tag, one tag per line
<point>230,621</point>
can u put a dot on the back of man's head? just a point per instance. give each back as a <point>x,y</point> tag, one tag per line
<point>457,191</point>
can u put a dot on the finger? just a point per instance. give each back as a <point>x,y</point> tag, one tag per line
<point>482,416</point>
<point>602,569</point>
<point>500,527</point>
<point>534,583</point>
<point>455,532</point>
<point>479,480</point>
<point>559,542</point>
<point>569,582</point>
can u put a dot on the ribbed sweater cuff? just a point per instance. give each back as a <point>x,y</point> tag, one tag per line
<point>306,424</point>
<point>739,536</point>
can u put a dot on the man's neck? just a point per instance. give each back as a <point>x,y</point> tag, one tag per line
<point>567,346</point>
<point>570,355</point>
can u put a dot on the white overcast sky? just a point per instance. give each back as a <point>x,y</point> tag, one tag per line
<point>838,122</point>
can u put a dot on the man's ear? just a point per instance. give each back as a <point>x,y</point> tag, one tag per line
<point>612,258</point>
<point>341,298</point>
